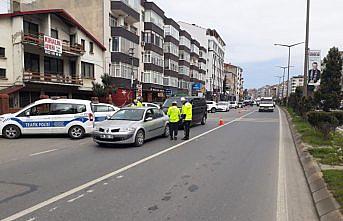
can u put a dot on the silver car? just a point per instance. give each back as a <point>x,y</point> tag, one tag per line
<point>132,126</point>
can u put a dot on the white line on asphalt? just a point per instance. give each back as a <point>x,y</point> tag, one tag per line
<point>43,152</point>
<point>109,175</point>
<point>282,209</point>
<point>76,198</point>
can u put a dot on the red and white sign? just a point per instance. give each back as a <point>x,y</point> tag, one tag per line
<point>139,90</point>
<point>52,46</point>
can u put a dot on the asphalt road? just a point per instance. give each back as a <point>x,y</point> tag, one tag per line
<point>245,170</point>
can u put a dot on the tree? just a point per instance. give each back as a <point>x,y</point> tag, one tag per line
<point>330,88</point>
<point>105,88</point>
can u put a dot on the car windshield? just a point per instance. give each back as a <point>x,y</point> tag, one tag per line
<point>128,114</point>
<point>222,103</point>
<point>232,102</point>
<point>267,101</point>
<point>169,102</point>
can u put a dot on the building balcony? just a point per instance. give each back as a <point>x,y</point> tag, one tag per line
<point>122,32</point>
<point>58,79</point>
<point>122,9</point>
<point>67,48</point>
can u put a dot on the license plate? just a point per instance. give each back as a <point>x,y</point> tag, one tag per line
<point>107,136</point>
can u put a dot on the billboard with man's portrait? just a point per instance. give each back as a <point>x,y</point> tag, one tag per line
<point>314,73</point>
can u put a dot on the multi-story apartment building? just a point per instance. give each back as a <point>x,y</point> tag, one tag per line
<point>153,58</point>
<point>296,81</point>
<point>145,49</point>
<point>231,81</point>
<point>47,52</point>
<point>237,74</point>
<point>215,46</point>
<point>185,86</point>
<point>118,26</point>
<point>171,56</point>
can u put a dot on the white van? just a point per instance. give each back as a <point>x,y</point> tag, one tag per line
<point>50,116</point>
<point>266,104</point>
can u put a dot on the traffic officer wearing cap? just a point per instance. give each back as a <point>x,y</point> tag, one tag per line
<point>174,119</point>
<point>187,116</point>
<point>139,102</point>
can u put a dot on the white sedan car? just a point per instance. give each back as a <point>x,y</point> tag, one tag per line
<point>223,106</point>
<point>102,111</point>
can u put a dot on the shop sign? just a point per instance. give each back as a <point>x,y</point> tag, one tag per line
<point>52,46</point>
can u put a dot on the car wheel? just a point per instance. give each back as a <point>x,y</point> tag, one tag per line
<point>166,131</point>
<point>203,120</point>
<point>139,139</point>
<point>76,132</point>
<point>11,132</point>
<point>213,110</point>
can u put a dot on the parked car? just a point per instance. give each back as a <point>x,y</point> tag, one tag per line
<point>266,104</point>
<point>233,104</point>
<point>240,104</point>
<point>223,106</point>
<point>211,106</point>
<point>50,116</point>
<point>102,111</point>
<point>199,108</point>
<point>132,126</point>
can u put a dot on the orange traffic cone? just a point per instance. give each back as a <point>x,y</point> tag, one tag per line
<point>221,122</point>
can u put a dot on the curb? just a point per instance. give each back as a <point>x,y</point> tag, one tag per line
<point>326,205</point>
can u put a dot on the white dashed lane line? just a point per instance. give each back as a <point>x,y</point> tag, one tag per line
<point>43,152</point>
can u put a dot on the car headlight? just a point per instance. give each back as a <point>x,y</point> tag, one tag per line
<point>128,129</point>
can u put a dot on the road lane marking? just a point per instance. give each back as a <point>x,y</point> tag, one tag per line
<point>112,174</point>
<point>282,209</point>
<point>43,152</point>
<point>76,198</point>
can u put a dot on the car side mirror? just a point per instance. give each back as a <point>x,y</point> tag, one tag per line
<point>108,117</point>
<point>27,114</point>
<point>148,119</point>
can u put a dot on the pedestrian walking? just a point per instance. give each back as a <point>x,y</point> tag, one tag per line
<point>174,119</point>
<point>187,116</point>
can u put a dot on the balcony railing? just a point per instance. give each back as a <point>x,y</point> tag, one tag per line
<point>51,78</point>
<point>38,40</point>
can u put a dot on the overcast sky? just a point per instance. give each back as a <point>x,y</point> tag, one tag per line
<point>251,27</point>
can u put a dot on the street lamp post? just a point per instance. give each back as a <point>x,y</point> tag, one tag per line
<point>131,53</point>
<point>278,92</point>
<point>289,58</point>
<point>306,47</point>
<point>283,79</point>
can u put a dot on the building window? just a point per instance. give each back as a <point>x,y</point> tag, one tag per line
<point>87,70</point>
<point>115,44</point>
<point>91,47</point>
<point>72,39</point>
<point>30,28</point>
<point>54,33</point>
<point>53,66</point>
<point>31,62</point>
<point>83,43</point>
<point>2,52</point>
<point>113,21</point>
<point>2,73</point>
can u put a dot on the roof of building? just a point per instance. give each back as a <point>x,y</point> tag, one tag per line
<point>62,13</point>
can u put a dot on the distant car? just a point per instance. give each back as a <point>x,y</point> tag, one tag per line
<point>146,104</point>
<point>223,106</point>
<point>199,108</point>
<point>211,106</point>
<point>102,111</point>
<point>233,104</point>
<point>132,126</point>
<point>240,104</point>
<point>266,104</point>
<point>50,116</point>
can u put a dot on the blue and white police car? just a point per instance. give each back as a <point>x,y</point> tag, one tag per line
<point>50,116</point>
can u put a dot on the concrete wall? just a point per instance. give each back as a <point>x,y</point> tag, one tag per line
<point>10,39</point>
<point>88,13</point>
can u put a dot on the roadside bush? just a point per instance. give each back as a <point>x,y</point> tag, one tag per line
<point>325,122</point>
<point>339,116</point>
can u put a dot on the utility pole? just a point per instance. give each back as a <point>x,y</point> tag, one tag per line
<point>278,86</point>
<point>306,47</point>
<point>283,79</point>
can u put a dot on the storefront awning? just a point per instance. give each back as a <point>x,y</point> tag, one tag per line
<point>12,89</point>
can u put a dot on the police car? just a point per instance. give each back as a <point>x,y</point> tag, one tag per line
<point>103,111</point>
<point>50,116</point>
